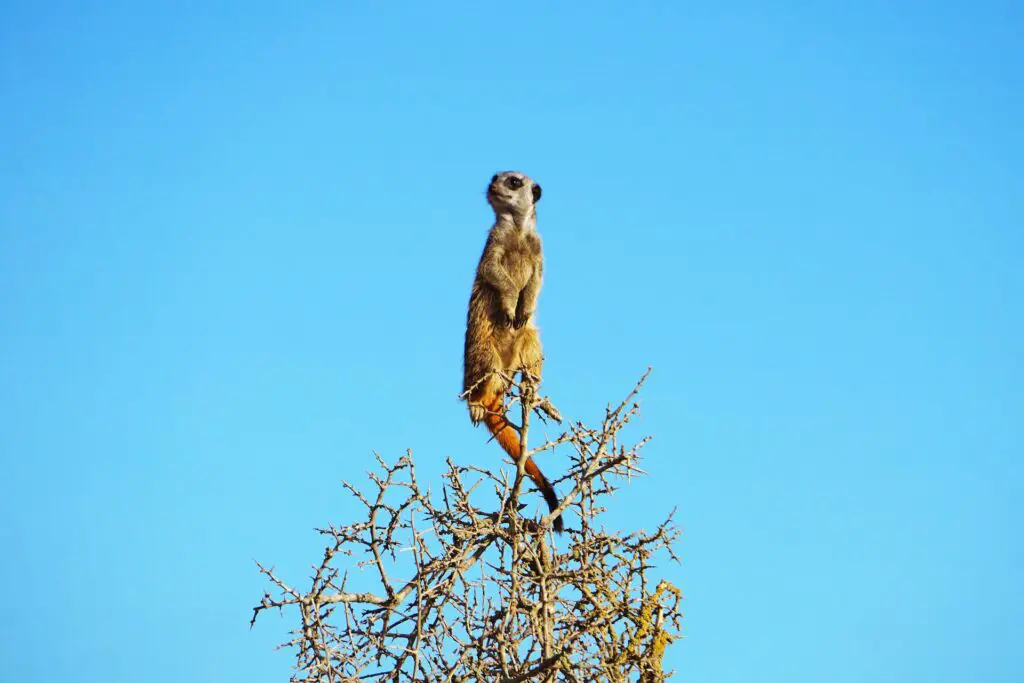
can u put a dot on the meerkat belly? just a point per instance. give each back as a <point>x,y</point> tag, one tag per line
<point>507,350</point>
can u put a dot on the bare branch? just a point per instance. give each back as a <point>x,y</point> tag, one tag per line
<point>453,591</point>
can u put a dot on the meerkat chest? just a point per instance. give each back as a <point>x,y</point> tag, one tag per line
<point>522,254</point>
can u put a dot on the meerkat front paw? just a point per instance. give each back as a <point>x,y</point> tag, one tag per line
<point>476,413</point>
<point>508,316</point>
<point>521,319</point>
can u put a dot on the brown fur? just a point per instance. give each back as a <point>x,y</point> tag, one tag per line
<point>500,333</point>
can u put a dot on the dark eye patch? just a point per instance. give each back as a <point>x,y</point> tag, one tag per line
<point>513,182</point>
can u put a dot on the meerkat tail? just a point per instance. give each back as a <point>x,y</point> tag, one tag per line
<point>506,435</point>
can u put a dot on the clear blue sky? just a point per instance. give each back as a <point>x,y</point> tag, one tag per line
<point>236,245</point>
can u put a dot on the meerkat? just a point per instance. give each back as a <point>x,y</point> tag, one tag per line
<point>501,337</point>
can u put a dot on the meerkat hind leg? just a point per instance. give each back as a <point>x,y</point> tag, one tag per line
<point>491,387</point>
<point>528,357</point>
<point>482,398</point>
<point>529,361</point>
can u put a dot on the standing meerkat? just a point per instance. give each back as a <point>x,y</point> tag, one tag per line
<point>500,335</point>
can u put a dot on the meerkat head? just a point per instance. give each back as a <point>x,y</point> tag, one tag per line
<point>513,192</point>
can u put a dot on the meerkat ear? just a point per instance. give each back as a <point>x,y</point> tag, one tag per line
<point>536,193</point>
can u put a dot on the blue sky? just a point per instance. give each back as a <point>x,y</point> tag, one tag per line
<point>236,244</point>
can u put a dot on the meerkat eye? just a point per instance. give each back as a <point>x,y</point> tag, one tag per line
<point>514,183</point>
